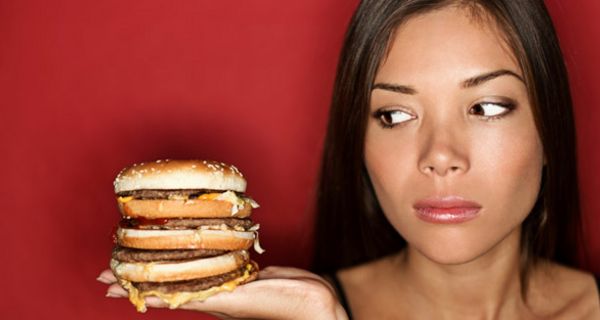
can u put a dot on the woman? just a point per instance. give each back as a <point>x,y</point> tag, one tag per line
<point>448,186</point>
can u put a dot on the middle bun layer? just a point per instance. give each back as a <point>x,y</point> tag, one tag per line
<point>177,271</point>
<point>185,239</point>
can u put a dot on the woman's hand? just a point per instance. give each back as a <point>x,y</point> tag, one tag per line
<point>279,293</point>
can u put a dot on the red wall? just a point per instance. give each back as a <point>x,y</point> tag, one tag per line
<point>578,30</point>
<point>88,87</point>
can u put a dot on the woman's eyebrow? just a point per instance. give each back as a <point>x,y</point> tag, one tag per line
<point>468,83</point>
<point>479,79</point>
<point>395,88</point>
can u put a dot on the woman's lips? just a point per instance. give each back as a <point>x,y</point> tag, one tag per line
<point>447,210</point>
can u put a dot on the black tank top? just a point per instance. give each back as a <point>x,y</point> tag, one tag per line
<point>344,302</point>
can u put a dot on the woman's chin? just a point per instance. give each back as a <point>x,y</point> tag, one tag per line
<point>451,252</point>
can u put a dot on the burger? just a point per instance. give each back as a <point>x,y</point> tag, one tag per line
<point>185,231</point>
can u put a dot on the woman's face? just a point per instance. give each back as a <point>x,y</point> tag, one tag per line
<point>435,135</point>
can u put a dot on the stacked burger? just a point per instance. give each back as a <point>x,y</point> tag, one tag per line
<point>185,232</point>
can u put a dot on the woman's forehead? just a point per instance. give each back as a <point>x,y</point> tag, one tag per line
<point>446,44</point>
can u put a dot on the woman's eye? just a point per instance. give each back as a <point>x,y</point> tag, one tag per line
<point>491,109</point>
<point>390,118</point>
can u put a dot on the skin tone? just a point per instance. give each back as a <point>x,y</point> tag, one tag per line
<point>434,133</point>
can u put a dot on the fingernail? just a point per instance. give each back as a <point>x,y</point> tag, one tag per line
<point>111,295</point>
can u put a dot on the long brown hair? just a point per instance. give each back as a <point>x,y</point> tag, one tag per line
<point>350,225</point>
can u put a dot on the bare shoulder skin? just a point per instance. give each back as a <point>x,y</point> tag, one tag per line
<point>556,292</point>
<point>561,292</point>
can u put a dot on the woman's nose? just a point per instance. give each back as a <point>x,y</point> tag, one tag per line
<point>444,151</point>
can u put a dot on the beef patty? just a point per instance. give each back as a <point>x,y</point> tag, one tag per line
<point>124,254</point>
<point>195,284</point>
<point>168,194</point>
<point>187,223</point>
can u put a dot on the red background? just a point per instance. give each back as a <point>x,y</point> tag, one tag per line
<point>88,87</point>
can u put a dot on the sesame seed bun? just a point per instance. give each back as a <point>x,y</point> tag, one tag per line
<point>180,174</point>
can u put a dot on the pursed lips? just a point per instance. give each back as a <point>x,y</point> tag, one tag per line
<point>446,209</point>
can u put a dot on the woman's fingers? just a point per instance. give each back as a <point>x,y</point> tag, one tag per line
<point>116,291</point>
<point>107,277</point>
<point>155,302</point>
<point>274,272</point>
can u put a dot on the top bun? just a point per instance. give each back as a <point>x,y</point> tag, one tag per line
<point>180,174</point>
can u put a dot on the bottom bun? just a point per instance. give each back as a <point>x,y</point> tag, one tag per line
<point>175,299</point>
<point>179,270</point>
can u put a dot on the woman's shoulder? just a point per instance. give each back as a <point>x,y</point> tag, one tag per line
<point>555,291</point>
<point>560,291</point>
<point>363,275</point>
<point>366,289</point>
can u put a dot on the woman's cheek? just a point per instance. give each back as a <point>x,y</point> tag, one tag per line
<point>392,168</point>
<point>511,166</point>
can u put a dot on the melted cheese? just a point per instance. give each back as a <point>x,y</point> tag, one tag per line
<point>176,299</point>
<point>209,196</point>
<point>124,199</point>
